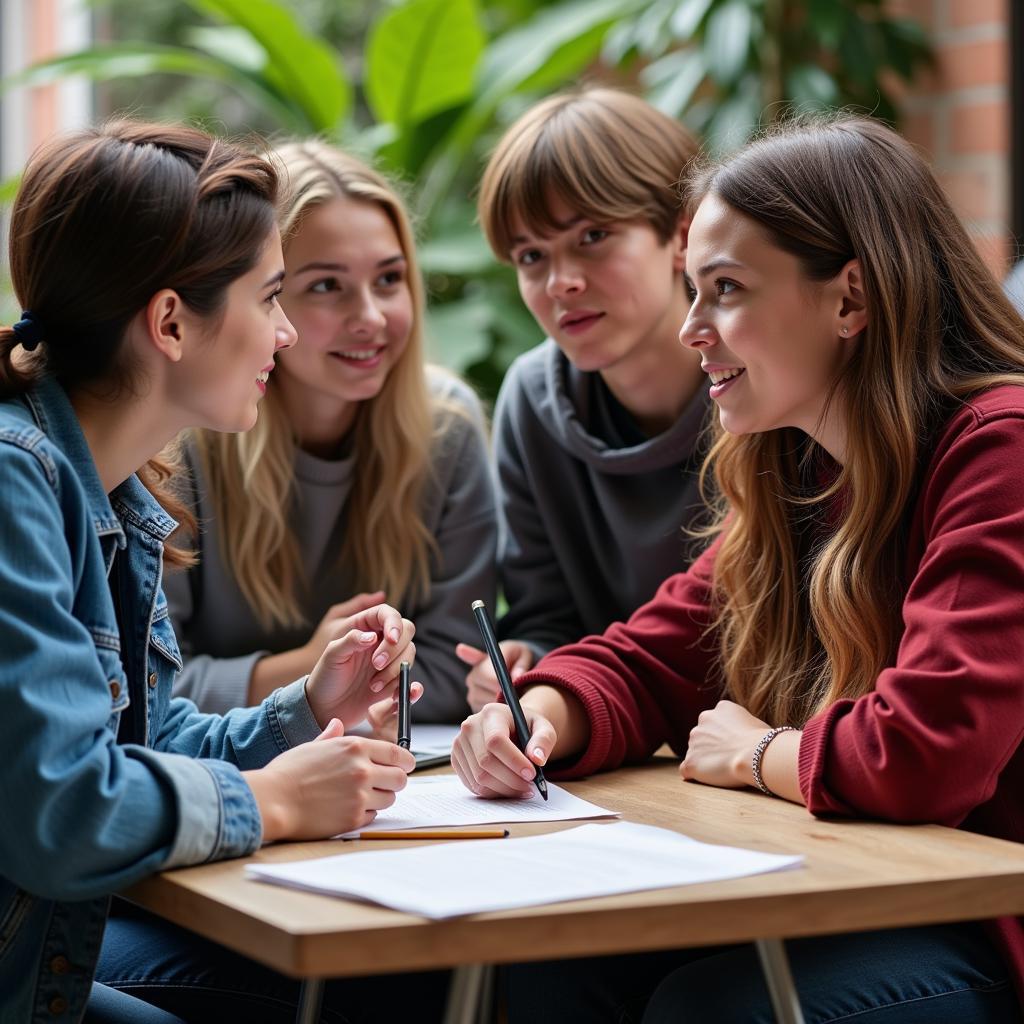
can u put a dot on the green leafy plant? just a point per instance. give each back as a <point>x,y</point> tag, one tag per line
<point>428,90</point>
<point>727,66</point>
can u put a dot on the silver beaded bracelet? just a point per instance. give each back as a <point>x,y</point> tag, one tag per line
<point>755,764</point>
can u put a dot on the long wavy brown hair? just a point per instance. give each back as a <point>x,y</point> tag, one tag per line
<point>810,575</point>
<point>105,218</point>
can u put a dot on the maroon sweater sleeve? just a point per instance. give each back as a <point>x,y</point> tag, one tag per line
<point>930,741</point>
<point>642,682</point>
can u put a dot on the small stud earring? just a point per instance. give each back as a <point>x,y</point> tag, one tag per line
<point>845,330</point>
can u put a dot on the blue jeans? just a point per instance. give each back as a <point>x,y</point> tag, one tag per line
<point>928,975</point>
<point>199,981</point>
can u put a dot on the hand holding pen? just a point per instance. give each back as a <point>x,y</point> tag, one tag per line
<point>522,730</point>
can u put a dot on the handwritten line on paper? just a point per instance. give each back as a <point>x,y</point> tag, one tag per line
<point>578,863</point>
<point>442,801</point>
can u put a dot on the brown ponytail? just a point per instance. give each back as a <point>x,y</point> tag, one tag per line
<point>107,217</point>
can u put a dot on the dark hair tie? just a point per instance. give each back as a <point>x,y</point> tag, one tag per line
<point>29,331</point>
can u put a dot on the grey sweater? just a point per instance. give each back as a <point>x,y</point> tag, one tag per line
<point>591,510</point>
<point>220,637</point>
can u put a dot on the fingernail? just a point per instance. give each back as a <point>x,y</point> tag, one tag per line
<point>539,754</point>
<point>527,774</point>
<point>377,686</point>
<point>394,634</point>
<point>526,794</point>
<point>380,660</point>
<point>367,637</point>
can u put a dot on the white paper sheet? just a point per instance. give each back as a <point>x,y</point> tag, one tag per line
<point>433,739</point>
<point>470,877</point>
<point>441,800</point>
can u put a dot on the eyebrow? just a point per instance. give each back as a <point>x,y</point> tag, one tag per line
<point>276,279</point>
<point>343,268</point>
<point>561,225</point>
<point>710,268</point>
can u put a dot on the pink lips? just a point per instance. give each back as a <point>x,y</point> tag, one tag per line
<point>578,320</point>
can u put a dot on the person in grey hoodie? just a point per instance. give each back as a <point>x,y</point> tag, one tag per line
<point>597,429</point>
<point>366,478</point>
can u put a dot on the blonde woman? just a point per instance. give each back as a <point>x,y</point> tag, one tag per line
<point>366,476</point>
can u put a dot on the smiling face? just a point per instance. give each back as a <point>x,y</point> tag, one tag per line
<point>224,376</point>
<point>770,338</point>
<point>604,292</point>
<point>347,293</point>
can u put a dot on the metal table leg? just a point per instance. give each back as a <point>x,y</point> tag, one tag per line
<point>775,965</point>
<point>311,996</point>
<point>469,984</point>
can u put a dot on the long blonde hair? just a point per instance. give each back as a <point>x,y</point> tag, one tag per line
<point>809,579</point>
<point>250,476</point>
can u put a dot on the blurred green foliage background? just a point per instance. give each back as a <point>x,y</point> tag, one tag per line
<point>424,88</point>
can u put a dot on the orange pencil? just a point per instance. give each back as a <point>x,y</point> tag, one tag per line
<point>426,833</point>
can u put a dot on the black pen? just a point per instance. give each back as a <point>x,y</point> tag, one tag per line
<point>404,716</point>
<point>483,620</point>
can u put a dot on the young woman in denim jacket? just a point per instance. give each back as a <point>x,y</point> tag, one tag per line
<point>150,262</point>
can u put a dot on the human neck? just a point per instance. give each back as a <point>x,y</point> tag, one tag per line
<point>321,423</point>
<point>655,383</point>
<point>122,435</point>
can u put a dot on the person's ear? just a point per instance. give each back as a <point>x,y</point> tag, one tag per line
<point>852,316</point>
<point>165,323</point>
<point>678,243</point>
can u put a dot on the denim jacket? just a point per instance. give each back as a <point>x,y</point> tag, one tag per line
<point>106,777</point>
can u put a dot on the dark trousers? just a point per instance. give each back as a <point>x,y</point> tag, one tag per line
<point>944,974</point>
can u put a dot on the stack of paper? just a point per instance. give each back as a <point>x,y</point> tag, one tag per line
<point>442,801</point>
<point>500,874</point>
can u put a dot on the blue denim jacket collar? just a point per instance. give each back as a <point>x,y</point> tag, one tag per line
<point>130,501</point>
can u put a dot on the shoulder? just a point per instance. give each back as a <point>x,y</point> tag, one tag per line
<point>530,372</point>
<point>999,408</point>
<point>460,426</point>
<point>978,451</point>
<point>450,393</point>
<point>24,446</point>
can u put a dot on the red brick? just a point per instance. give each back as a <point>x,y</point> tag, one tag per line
<point>980,128</point>
<point>971,13</point>
<point>922,11</point>
<point>966,65</point>
<point>919,128</point>
<point>972,194</point>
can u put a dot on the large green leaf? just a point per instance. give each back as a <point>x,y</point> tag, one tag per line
<point>458,333</point>
<point>421,58</point>
<point>811,87</point>
<point>672,81</point>
<point>727,39</point>
<point>688,17</point>
<point>464,251</point>
<point>299,66</point>
<point>530,56</point>
<point>134,60</point>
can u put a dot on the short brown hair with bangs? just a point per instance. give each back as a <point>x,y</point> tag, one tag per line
<point>609,155</point>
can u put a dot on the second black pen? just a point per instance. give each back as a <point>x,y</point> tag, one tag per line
<point>508,691</point>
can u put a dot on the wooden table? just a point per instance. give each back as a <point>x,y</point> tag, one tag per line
<point>858,875</point>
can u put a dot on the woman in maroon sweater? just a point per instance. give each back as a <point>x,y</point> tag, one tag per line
<point>853,638</point>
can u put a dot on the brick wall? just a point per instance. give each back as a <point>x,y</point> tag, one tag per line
<point>959,113</point>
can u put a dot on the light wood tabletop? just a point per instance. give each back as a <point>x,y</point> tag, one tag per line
<point>858,875</point>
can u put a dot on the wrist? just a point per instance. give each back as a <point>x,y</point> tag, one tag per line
<point>756,761</point>
<point>273,810</point>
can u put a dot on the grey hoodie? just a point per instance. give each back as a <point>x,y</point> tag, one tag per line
<point>220,637</point>
<point>591,511</point>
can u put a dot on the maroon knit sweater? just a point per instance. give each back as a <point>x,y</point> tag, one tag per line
<point>939,738</point>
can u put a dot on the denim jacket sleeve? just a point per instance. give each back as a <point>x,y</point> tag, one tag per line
<point>84,816</point>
